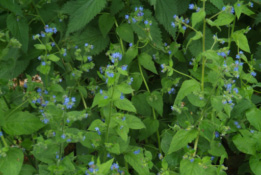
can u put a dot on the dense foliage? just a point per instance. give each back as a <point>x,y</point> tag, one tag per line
<point>119,87</point>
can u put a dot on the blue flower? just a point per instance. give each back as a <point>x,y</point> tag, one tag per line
<point>237,56</point>
<point>105,97</point>
<point>146,22</point>
<point>1,133</point>
<point>98,130</point>
<point>86,44</point>
<point>175,16</point>
<point>217,134</point>
<point>232,10</point>
<point>68,140</point>
<point>238,4</point>
<point>63,136</point>
<point>184,27</point>
<point>251,4</point>
<point>223,8</point>
<point>114,166</point>
<point>235,90</point>
<point>241,52</point>
<point>252,131</point>
<point>122,96</point>
<point>91,163</point>
<point>191,160</point>
<point>136,152</point>
<point>68,120</point>
<point>173,24</point>
<point>191,6</point>
<point>253,73</point>
<point>110,74</point>
<point>127,16</point>
<point>134,20</point>
<point>124,67</point>
<point>212,158</point>
<point>130,45</point>
<point>43,63</point>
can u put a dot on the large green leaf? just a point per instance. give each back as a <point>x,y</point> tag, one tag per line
<point>134,122</point>
<point>21,123</point>
<point>244,142</point>
<point>181,139</point>
<point>155,100</point>
<point>197,17</point>
<point>106,22</point>
<point>141,104</point>
<point>151,127</point>
<point>241,40</point>
<point>254,117</point>
<point>19,29</point>
<point>125,104</point>
<point>82,12</point>
<point>27,170</point>
<point>255,163</point>
<point>125,32</point>
<point>218,4</point>
<point>187,88</point>
<point>105,167</point>
<point>224,18</point>
<point>12,163</point>
<point>12,6</point>
<point>146,61</point>
<point>190,168</point>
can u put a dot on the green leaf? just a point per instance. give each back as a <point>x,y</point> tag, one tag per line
<point>82,12</point>
<point>258,18</point>
<point>244,142</point>
<point>137,162</point>
<point>146,61</point>
<point>137,81</point>
<point>181,139</point>
<point>12,6</point>
<point>190,168</point>
<point>218,4</point>
<point>255,163</point>
<point>27,170</point>
<point>216,103</point>
<point>92,36</point>
<point>12,163</point>
<point>105,167</point>
<point>247,11</point>
<point>116,6</point>
<point>151,127</point>
<point>125,32</point>
<point>141,104</point>
<point>197,36</point>
<point>155,100</point>
<point>197,17</point>
<point>224,18</point>
<point>187,88</point>
<point>134,122</point>
<point>106,22</point>
<point>217,149</point>
<point>21,123</point>
<point>46,154</point>
<point>40,46</point>
<point>130,54</point>
<point>19,29</point>
<point>254,118</point>
<point>241,41</point>
<point>124,88</point>
<point>125,104</point>
<point>238,9</point>
<point>53,57</point>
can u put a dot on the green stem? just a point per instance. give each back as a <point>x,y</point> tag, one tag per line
<point>232,31</point>
<point>3,139</point>
<point>17,108</point>
<point>203,49</point>
<point>153,111</point>
<point>183,74</point>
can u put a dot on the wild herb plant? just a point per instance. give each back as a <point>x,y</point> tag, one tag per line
<point>119,87</point>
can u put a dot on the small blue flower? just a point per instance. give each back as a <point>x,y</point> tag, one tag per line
<point>45,92</point>
<point>123,118</point>
<point>105,97</point>
<point>1,133</point>
<point>237,56</point>
<point>124,67</point>
<point>169,52</point>
<point>175,16</point>
<point>241,52</point>
<point>212,158</point>
<point>184,27</point>
<point>63,136</point>
<point>134,20</point>
<point>146,22</point>
<point>238,5</point>
<point>191,6</point>
<point>86,44</point>
<point>252,131</point>
<point>173,24</point>
<point>232,11</point>
<point>253,73</point>
<point>91,163</point>
<point>122,96</point>
<point>68,140</point>
<point>98,130</point>
<point>68,120</point>
<point>43,63</point>
<point>114,166</point>
<point>191,160</point>
<point>127,16</point>
<point>223,8</point>
<point>109,155</point>
<point>235,90</point>
<point>251,4</point>
<point>136,152</point>
<point>217,134</point>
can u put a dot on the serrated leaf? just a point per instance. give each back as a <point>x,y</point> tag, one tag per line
<point>125,32</point>
<point>12,6</point>
<point>245,143</point>
<point>258,18</point>
<point>116,6</point>
<point>92,36</point>
<point>218,4</point>
<point>27,170</point>
<point>254,118</point>
<point>106,22</point>
<point>105,167</point>
<point>181,139</point>
<point>125,104</point>
<point>130,54</point>
<point>86,11</point>
<point>19,29</point>
<point>197,17</point>
<point>22,123</point>
<point>155,100</point>
<point>12,162</point>
<point>224,19</point>
<point>190,168</point>
<point>146,61</point>
<point>141,104</point>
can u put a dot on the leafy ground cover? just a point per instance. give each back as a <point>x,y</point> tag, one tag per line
<point>122,87</point>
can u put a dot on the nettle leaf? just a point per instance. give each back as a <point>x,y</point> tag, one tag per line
<point>255,163</point>
<point>218,4</point>
<point>241,40</point>
<point>141,104</point>
<point>124,88</point>
<point>27,170</point>
<point>165,10</point>
<point>151,127</point>
<point>238,9</point>
<point>258,18</point>
<point>82,12</point>
<point>130,54</point>
<point>19,29</point>
<point>11,164</point>
<point>134,122</point>
<point>254,118</point>
<point>155,100</point>
<point>125,32</point>
<point>53,57</point>
<point>105,167</point>
<point>92,36</point>
<point>187,88</point>
<point>125,104</point>
<point>181,139</point>
<point>146,61</point>
<point>12,6</point>
<point>197,17</point>
<point>217,149</point>
<point>106,22</point>
<point>21,123</point>
<point>116,6</point>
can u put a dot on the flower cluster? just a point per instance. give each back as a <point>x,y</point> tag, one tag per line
<point>47,30</point>
<point>69,102</point>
